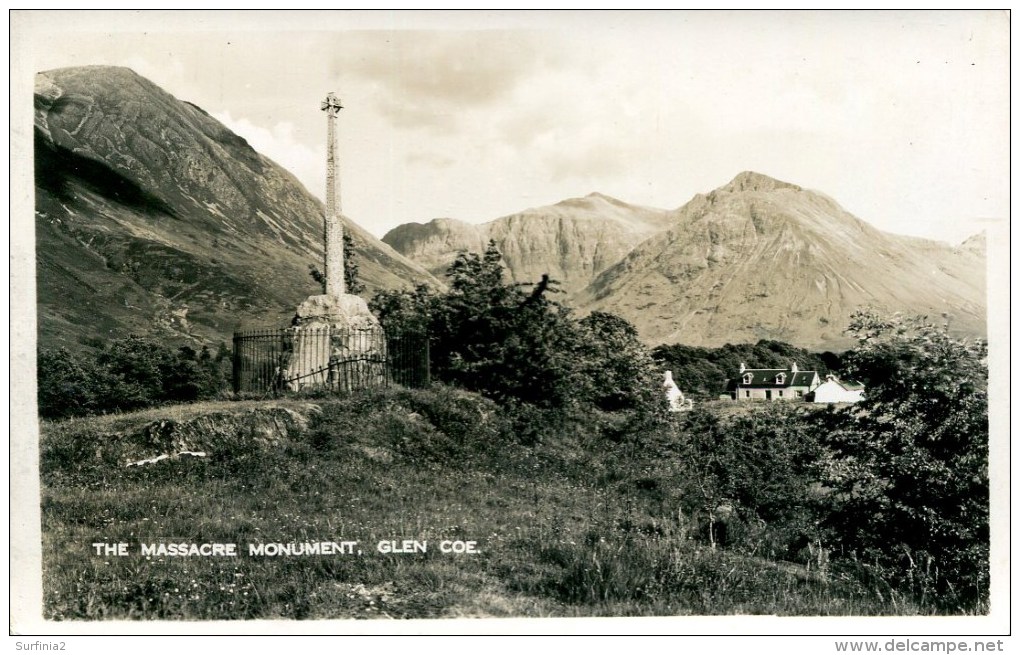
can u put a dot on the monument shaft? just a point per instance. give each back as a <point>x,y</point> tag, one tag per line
<point>334,231</point>
<point>338,342</point>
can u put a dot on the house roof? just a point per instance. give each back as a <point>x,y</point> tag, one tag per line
<point>766,378</point>
<point>848,385</point>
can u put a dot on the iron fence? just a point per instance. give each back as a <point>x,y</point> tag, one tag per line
<point>339,359</point>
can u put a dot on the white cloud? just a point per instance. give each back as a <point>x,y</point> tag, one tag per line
<point>280,144</point>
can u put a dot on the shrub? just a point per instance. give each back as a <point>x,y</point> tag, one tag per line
<point>515,344</point>
<point>69,385</point>
<point>743,481</point>
<point>909,465</point>
<point>126,374</point>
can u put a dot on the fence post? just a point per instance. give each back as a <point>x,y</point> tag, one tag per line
<point>236,365</point>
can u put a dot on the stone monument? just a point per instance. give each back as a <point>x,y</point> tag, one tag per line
<point>337,339</point>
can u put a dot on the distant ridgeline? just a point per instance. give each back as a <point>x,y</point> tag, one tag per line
<point>703,371</point>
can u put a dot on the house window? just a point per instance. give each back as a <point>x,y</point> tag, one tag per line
<point>781,378</point>
<point>780,393</point>
<point>747,394</point>
<point>747,379</point>
<point>799,393</point>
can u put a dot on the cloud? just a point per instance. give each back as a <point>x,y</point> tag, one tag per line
<point>280,144</point>
<point>427,158</point>
<point>429,80</point>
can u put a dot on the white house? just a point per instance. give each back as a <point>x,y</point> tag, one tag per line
<point>772,383</point>
<point>835,391</point>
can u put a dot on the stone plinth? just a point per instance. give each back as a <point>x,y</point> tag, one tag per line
<point>340,311</point>
<point>338,343</point>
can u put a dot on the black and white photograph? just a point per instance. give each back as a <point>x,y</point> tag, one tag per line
<point>494,322</point>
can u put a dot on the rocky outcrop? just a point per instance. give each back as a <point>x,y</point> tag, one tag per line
<point>214,434</point>
<point>764,259</point>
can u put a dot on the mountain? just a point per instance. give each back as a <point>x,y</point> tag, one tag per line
<point>573,240</point>
<point>763,259</point>
<point>152,217</point>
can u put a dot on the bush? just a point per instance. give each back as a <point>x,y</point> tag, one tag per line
<point>514,344</point>
<point>745,481</point>
<point>126,374</point>
<point>909,465</point>
<point>69,385</point>
<point>439,425</point>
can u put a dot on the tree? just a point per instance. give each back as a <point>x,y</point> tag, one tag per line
<point>405,312</point>
<point>69,384</point>
<point>515,344</point>
<point>615,366</point>
<point>909,464</point>
<point>136,368</point>
<point>493,337</point>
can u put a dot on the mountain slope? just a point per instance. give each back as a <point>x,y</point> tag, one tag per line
<point>764,259</point>
<point>573,240</point>
<point>151,216</point>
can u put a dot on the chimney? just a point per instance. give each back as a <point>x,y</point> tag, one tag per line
<point>742,367</point>
<point>793,367</point>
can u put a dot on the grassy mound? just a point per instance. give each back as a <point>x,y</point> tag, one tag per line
<point>569,515</point>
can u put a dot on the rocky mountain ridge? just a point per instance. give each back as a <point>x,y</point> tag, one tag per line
<point>763,259</point>
<point>573,240</point>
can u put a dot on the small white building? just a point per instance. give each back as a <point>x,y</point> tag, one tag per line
<point>675,397</point>
<point>835,391</point>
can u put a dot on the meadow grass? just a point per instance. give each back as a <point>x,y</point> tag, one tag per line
<point>562,527</point>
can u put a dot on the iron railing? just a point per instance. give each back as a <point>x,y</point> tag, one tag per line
<point>339,359</point>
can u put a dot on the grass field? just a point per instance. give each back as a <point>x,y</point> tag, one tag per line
<point>567,522</point>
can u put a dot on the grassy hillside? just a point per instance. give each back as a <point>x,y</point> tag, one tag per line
<point>152,218</point>
<point>573,515</point>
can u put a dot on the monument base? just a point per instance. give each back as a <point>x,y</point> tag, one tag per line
<point>341,311</point>
<point>338,344</point>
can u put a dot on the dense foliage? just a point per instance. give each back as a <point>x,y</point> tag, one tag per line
<point>514,343</point>
<point>702,372</point>
<point>894,489</point>
<point>127,374</point>
<point>909,465</point>
<point>739,477</point>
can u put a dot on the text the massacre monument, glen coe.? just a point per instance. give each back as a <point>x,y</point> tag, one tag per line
<point>337,340</point>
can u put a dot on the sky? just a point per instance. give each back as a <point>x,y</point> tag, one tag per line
<point>901,117</point>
